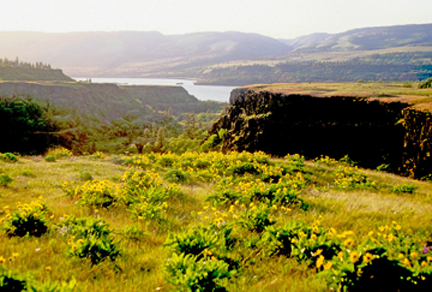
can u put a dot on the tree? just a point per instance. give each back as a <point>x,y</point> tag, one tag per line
<point>26,127</point>
<point>426,84</point>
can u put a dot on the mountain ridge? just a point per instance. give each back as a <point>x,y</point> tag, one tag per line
<point>197,55</point>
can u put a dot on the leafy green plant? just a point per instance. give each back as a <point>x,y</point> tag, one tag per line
<point>90,239</point>
<point>94,249</point>
<point>256,218</point>
<point>196,241</point>
<point>176,176</point>
<point>12,281</point>
<point>147,211</point>
<point>279,194</point>
<point>58,152</point>
<point>95,193</point>
<point>301,241</point>
<point>188,273</point>
<point>403,189</point>
<point>351,178</point>
<point>5,179</point>
<point>84,175</point>
<point>9,281</point>
<point>8,157</point>
<point>244,168</point>
<point>50,158</point>
<point>27,219</point>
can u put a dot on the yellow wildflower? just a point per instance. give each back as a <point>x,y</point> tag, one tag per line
<point>48,268</point>
<point>406,262</point>
<point>318,252</point>
<point>354,257</point>
<point>320,261</point>
<point>328,265</point>
<point>348,242</point>
<point>367,257</point>
<point>2,259</point>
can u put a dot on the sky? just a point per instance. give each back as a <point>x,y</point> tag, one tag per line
<point>275,18</point>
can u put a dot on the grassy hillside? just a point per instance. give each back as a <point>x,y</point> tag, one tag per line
<point>371,38</point>
<point>10,70</point>
<point>237,221</point>
<point>406,92</point>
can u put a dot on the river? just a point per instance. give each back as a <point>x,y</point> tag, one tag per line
<point>202,92</point>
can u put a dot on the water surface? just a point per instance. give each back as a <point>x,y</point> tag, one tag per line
<point>202,92</point>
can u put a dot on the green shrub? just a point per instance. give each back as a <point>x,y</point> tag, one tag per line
<point>196,241</point>
<point>95,193</point>
<point>176,176</point>
<point>84,175</point>
<point>257,218</point>
<point>91,239</point>
<point>50,158</point>
<point>403,189</point>
<point>187,273</point>
<point>24,116</point>
<point>9,281</point>
<point>244,168</point>
<point>27,219</point>
<point>426,84</point>
<point>5,179</point>
<point>8,157</point>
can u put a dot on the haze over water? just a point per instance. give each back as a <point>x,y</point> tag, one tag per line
<point>202,92</point>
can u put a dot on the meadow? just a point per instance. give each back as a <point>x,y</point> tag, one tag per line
<point>209,222</point>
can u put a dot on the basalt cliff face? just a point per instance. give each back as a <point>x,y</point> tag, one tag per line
<point>370,132</point>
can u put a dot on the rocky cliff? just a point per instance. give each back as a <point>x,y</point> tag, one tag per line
<point>370,132</point>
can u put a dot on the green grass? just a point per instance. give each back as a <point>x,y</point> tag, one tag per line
<point>360,208</point>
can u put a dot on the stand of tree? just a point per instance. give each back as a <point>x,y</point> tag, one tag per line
<point>387,67</point>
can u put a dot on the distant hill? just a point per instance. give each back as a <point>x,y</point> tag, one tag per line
<point>135,54</point>
<point>393,53</point>
<point>306,40</point>
<point>15,70</point>
<point>372,38</point>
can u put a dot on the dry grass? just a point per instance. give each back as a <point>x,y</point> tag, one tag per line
<point>140,268</point>
<point>386,92</point>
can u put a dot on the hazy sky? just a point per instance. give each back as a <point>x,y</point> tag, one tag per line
<point>275,18</point>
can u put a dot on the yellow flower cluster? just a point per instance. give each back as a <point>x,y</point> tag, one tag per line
<point>59,152</point>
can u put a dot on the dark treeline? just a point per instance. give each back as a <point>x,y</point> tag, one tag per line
<point>16,62</point>
<point>386,67</point>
